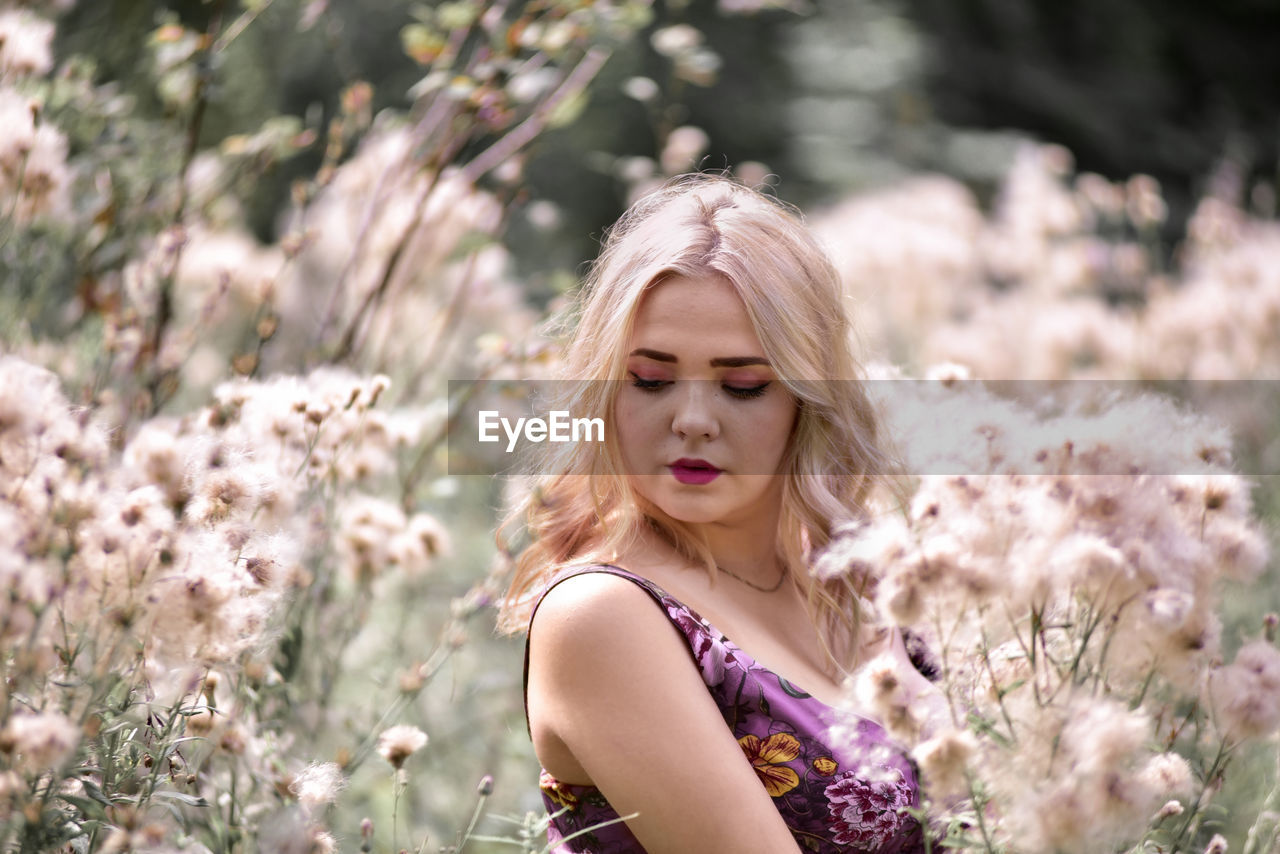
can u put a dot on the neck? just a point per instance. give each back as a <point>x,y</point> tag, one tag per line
<point>748,551</point>
<point>759,565</point>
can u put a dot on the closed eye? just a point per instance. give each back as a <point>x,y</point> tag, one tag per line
<point>748,392</point>
<point>647,385</point>
<point>740,392</point>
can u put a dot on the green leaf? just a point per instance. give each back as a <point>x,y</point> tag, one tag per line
<point>453,16</point>
<point>181,797</point>
<point>421,43</point>
<point>567,111</point>
<point>1011,687</point>
<point>172,746</point>
<point>88,807</point>
<point>987,727</point>
<point>93,791</point>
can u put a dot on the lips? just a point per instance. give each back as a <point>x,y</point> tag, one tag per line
<point>694,472</point>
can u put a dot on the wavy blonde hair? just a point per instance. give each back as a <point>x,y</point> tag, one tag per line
<point>583,509</point>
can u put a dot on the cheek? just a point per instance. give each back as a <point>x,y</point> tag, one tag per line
<point>778,425</point>
<point>780,418</point>
<point>634,422</point>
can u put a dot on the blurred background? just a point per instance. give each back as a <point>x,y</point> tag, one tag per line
<point>238,190</point>
<point>830,97</point>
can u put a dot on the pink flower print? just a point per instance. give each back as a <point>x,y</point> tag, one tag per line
<point>867,813</point>
<point>709,652</point>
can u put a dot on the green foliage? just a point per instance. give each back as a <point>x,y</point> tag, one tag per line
<point>223,222</point>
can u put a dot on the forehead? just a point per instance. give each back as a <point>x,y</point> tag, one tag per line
<point>695,312</point>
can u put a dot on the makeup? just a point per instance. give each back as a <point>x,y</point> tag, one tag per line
<point>694,472</point>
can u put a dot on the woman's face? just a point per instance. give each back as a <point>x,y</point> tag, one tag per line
<point>703,422</point>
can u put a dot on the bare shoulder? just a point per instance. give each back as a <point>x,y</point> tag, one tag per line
<point>588,593</point>
<point>616,701</point>
<point>585,616</point>
<point>601,650</point>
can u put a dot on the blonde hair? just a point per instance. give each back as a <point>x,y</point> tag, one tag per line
<point>584,510</point>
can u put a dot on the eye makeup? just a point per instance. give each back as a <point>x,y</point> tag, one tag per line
<point>739,391</point>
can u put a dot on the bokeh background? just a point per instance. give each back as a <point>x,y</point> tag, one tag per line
<point>212,205</point>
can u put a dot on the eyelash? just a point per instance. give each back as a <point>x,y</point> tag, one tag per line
<point>654,386</point>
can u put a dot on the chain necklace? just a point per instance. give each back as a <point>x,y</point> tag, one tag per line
<point>774,589</point>
<point>752,584</point>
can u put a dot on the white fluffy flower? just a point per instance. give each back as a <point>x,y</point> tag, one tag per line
<point>400,742</point>
<point>944,762</point>
<point>318,784</point>
<point>1246,693</point>
<point>25,44</point>
<point>41,741</point>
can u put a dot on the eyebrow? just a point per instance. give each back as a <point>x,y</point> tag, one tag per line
<point>721,362</point>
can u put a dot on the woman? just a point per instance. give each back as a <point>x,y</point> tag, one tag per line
<point>713,341</point>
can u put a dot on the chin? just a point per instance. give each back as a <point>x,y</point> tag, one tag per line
<point>697,510</point>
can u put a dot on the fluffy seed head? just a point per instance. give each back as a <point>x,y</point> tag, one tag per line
<point>399,743</point>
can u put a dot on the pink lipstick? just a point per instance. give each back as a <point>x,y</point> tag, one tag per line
<point>695,472</point>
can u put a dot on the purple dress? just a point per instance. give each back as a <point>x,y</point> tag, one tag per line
<point>833,798</point>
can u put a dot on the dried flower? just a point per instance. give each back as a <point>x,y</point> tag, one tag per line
<point>683,148</point>
<point>1246,693</point>
<point>399,743</point>
<point>321,841</point>
<point>25,44</point>
<point>41,741</point>
<point>318,784</point>
<point>1217,845</point>
<point>944,761</point>
<point>676,39</point>
<point>880,689</point>
<point>1167,774</point>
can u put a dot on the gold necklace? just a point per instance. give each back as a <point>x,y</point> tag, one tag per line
<point>752,584</point>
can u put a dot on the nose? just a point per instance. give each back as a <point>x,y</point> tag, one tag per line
<point>695,411</point>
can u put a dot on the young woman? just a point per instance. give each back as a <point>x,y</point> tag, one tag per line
<point>684,668</point>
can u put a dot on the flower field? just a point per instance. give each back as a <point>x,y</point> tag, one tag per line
<point>249,609</point>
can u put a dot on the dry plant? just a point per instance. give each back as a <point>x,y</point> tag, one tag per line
<point>1066,586</point>
<point>216,454</point>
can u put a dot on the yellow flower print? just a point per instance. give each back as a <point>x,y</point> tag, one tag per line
<point>557,791</point>
<point>766,758</point>
<point>825,765</point>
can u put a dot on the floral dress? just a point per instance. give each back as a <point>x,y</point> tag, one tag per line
<point>847,794</point>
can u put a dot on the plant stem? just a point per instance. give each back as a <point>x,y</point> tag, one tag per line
<point>1215,768</point>
<point>524,133</point>
<point>164,297</point>
<point>471,825</point>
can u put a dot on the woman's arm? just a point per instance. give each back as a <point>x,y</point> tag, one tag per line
<point>616,700</point>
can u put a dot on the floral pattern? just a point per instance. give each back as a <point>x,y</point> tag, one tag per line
<point>560,794</point>
<point>766,758</point>
<point>868,812</point>
<point>834,801</point>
